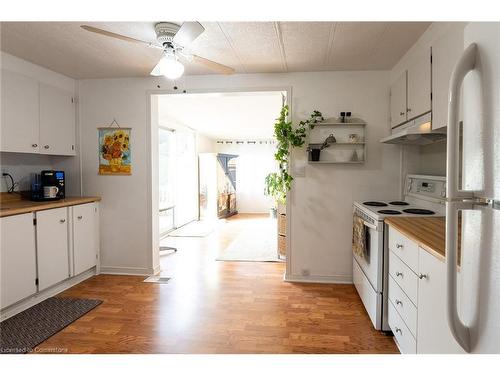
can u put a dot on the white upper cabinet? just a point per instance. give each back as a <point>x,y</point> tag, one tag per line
<point>52,246</point>
<point>17,258</point>
<point>36,117</point>
<point>20,107</point>
<point>445,53</point>
<point>419,85</point>
<point>57,121</point>
<point>398,101</point>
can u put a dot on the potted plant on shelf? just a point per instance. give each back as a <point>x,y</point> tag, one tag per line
<point>316,152</point>
<point>278,184</point>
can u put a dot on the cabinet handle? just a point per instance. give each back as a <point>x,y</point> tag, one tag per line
<point>79,217</point>
<point>398,330</point>
<point>422,276</point>
<point>401,113</point>
<point>399,246</point>
<point>46,147</point>
<point>399,273</point>
<point>398,302</point>
<point>408,109</point>
<point>62,220</point>
<point>34,145</point>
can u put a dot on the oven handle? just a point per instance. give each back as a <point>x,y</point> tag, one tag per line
<point>369,225</point>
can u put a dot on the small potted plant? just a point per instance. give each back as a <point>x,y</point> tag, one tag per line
<point>316,152</point>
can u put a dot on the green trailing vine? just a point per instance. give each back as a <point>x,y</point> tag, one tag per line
<point>279,183</point>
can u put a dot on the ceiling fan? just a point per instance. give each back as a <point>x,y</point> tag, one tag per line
<point>172,39</point>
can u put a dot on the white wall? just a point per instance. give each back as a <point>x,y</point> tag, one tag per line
<point>321,202</point>
<point>21,165</point>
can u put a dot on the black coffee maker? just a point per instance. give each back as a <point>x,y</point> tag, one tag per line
<point>48,185</point>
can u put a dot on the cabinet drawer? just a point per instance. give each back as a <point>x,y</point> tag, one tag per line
<point>403,276</point>
<point>404,248</point>
<point>405,340</point>
<point>403,305</point>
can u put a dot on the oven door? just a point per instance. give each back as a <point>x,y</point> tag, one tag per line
<point>372,260</point>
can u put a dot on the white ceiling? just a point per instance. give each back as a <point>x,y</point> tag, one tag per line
<point>249,47</point>
<point>243,116</point>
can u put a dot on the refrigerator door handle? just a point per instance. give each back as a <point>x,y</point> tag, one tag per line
<point>459,330</point>
<point>465,64</point>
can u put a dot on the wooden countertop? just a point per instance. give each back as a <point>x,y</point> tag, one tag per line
<point>15,204</point>
<point>428,232</point>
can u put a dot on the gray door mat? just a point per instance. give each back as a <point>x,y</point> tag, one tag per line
<point>24,331</point>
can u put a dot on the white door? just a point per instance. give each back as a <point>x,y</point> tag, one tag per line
<point>52,246</point>
<point>445,53</point>
<point>17,258</point>
<point>398,101</point>
<point>57,121</point>
<point>433,334</point>
<point>20,105</point>
<point>419,85</point>
<point>85,238</point>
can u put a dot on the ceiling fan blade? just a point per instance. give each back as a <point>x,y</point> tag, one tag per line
<point>118,36</point>
<point>188,32</point>
<point>212,65</point>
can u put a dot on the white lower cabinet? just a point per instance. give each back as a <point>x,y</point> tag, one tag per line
<point>17,258</point>
<point>417,299</point>
<point>52,246</point>
<point>434,336</point>
<point>44,248</point>
<point>85,236</point>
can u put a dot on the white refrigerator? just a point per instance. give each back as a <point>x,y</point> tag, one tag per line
<point>473,192</point>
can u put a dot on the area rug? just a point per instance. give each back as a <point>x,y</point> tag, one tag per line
<point>24,331</point>
<point>194,229</point>
<point>257,243</point>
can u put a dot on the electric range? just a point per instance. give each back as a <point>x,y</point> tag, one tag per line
<point>423,196</point>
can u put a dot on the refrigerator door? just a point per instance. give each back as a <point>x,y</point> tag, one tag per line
<point>478,299</point>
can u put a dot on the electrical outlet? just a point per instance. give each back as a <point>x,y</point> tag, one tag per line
<point>305,272</point>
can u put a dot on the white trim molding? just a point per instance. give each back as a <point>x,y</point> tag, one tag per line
<point>132,271</point>
<point>335,279</point>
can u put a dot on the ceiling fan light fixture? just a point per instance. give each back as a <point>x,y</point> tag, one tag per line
<point>168,67</point>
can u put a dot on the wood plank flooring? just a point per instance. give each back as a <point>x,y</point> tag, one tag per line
<point>218,307</point>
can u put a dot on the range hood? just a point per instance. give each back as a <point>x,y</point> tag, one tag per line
<point>415,132</point>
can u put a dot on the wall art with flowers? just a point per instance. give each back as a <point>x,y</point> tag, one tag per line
<point>114,151</point>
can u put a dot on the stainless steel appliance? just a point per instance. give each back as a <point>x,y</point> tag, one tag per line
<point>423,196</point>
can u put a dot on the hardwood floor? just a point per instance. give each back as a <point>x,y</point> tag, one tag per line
<point>218,307</point>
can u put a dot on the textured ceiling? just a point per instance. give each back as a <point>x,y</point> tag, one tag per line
<point>249,115</point>
<point>248,47</point>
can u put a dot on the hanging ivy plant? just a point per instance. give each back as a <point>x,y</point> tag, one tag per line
<point>279,183</point>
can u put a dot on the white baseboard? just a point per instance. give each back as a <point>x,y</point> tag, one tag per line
<point>132,271</point>
<point>318,279</point>
<point>44,294</point>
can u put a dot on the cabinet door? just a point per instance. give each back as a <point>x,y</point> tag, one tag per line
<point>17,259</point>
<point>419,85</point>
<point>57,121</point>
<point>445,53</point>
<point>52,246</point>
<point>398,101</point>
<point>19,113</point>
<point>433,333</point>
<point>85,236</point>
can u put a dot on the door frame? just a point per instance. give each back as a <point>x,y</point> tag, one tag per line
<point>152,206</point>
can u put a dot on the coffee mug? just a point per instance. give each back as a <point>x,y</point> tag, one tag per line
<point>50,191</point>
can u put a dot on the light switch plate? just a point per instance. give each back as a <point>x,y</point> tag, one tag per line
<point>299,168</point>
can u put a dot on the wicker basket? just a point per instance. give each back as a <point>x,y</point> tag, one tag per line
<point>282,224</point>
<point>281,245</point>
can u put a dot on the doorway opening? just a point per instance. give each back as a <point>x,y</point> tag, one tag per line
<point>214,151</point>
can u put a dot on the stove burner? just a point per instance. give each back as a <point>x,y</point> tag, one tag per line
<point>389,212</point>
<point>399,203</point>
<point>418,211</point>
<point>376,204</point>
